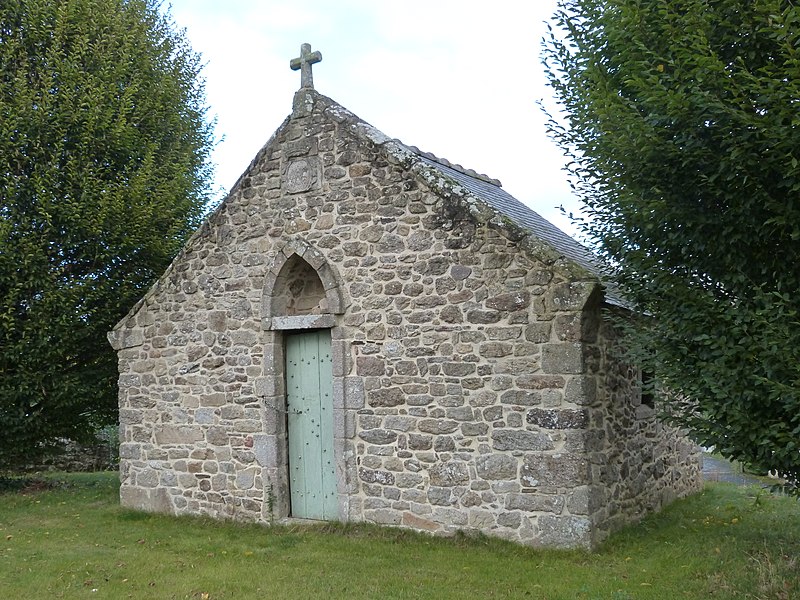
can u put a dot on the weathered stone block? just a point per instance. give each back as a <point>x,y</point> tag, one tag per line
<point>376,476</point>
<point>458,369</point>
<point>369,421</point>
<point>504,334</point>
<point>568,327</point>
<point>130,451</point>
<point>511,439</point>
<point>217,320</point>
<point>204,416</point>
<point>483,398</point>
<point>353,393</point>
<point>406,367</point>
<point>518,366</point>
<point>581,390</point>
<point>514,420</point>
<point>171,434</point>
<point>449,474</point>
<point>440,496</point>
<point>578,502</point>
<point>247,426</point>
<point>141,401</point>
<point>217,436</point>
<point>379,437</point>
<point>212,363</point>
<point>437,426</point>
<point>492,413</point>
<point>460,413</point>
<point>444,443</point>
<point>148,478</point>
<point>496,466</point>
<point>416,522</point>
<point>213,399</point>
<point>538,333</point>
<point>521,397</point>
<point>129,380</point>
<point>460,272</point>
<point>511,520</point>
<point>408,480</point>
<point>135,497</point>
<point>560,418</point>
<point>540,382</point>
<point>126,338</point>
<point>390,243</point>
<point>245,478</point>
<point>562,358</point>
<point>451,314</point>
<point>419,399</point>
<point>564,531</point>
<point>453,518</point>
<point>483,317</point>
<point>569,295</point>
<point>367,366</point>
<point>383,516</point>
<point>481,519</point>
<point>399,423</point>
<point>554,470</point>
<point>420,442</point>
<point>495,349</point>
<point>510,302</point>
<point>129,417</point>
<point>168,479</point>
<point>229,411</point>
<point>386,397</point>
<point>535,502</point>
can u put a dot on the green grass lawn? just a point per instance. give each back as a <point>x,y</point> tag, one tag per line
<point>76,542</point>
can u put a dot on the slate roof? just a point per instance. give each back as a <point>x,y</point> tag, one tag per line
<point>489,190</point>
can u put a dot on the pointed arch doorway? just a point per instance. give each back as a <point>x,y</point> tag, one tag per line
<point>302,295</point>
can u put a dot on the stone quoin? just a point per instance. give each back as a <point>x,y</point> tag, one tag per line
<point>362,331</point>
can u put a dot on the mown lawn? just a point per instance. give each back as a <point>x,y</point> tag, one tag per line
<point>74,541</point>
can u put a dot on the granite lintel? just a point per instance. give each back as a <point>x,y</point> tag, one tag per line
<point>302,322</point>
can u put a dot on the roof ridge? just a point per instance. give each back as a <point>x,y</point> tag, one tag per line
<point>455,167</point>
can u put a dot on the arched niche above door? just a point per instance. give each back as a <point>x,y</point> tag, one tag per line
<point>301,290</point>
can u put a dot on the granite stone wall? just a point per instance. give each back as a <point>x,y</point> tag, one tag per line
<point>638,464</point>
<point>472,385</point>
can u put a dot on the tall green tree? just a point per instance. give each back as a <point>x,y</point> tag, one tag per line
<point>104,171</point>
<point>682,120</point>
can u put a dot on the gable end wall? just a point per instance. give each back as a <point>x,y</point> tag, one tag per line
<point>463,383</point>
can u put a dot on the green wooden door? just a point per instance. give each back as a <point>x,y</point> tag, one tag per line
<point>309,382</point>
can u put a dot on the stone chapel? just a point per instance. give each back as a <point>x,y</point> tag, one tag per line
<point>362,331</point>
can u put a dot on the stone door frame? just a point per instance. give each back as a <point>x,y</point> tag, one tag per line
<point>271,386</point>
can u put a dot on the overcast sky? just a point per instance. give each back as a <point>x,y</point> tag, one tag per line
<point>460,79</point>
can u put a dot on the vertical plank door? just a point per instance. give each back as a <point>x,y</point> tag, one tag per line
<point>309,382</point>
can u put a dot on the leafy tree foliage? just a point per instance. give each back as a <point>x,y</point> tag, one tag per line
<point>682,118</point>
<point>104,171</point>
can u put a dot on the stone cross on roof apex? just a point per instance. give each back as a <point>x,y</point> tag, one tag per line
<point>303,63</point>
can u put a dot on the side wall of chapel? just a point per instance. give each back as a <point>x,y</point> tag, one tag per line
<point>639,464</point>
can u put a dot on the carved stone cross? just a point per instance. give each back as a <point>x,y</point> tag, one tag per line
<point>304,62</point>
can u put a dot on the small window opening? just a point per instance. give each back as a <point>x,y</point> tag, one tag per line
<point>648,387</point>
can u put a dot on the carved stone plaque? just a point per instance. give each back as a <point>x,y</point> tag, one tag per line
<point>302,175</point>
